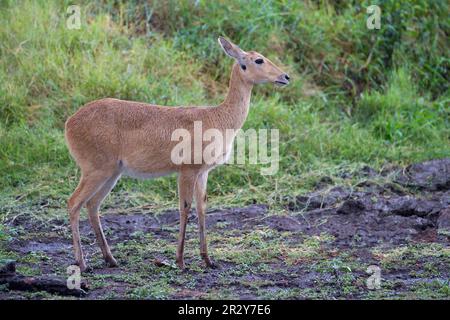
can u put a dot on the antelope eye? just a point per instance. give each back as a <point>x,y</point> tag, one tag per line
<point>259,61</point>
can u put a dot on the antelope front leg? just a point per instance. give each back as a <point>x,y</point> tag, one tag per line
<point>201,200</point>
<point>186,184</point>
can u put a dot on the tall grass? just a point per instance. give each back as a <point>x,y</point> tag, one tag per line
<point>358,96</point>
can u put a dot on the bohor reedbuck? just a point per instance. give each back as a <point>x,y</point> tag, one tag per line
<point>109,138</point>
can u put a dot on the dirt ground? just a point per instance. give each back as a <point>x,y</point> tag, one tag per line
<point>320,246</point>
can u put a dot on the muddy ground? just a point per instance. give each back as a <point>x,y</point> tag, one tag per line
<point>320,246</point>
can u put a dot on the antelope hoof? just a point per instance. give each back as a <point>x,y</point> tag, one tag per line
<point>181,265</point>
<point>111,262</point>
<point>84,268</point>
<point>211,264</point>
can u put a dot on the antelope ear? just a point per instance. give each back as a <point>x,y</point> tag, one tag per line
<point>231,49</point>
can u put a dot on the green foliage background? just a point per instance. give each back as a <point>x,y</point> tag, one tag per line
<point>358,96</point>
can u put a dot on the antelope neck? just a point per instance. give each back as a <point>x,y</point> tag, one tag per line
<point>234,109</point>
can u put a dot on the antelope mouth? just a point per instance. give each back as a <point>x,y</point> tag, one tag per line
<point>281,83</point>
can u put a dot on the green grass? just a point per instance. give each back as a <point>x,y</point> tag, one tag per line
<point>357,96</point>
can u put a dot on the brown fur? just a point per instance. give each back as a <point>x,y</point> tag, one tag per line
<point>111,137</point>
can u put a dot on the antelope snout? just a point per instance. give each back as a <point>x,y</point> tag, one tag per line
<point>283,79</point>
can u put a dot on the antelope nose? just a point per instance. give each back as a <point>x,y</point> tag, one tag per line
<point>286,76</point>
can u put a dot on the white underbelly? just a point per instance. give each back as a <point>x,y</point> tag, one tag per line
<point>130,172</point>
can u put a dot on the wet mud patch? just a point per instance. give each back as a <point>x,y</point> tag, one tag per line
<point>320,246</point>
